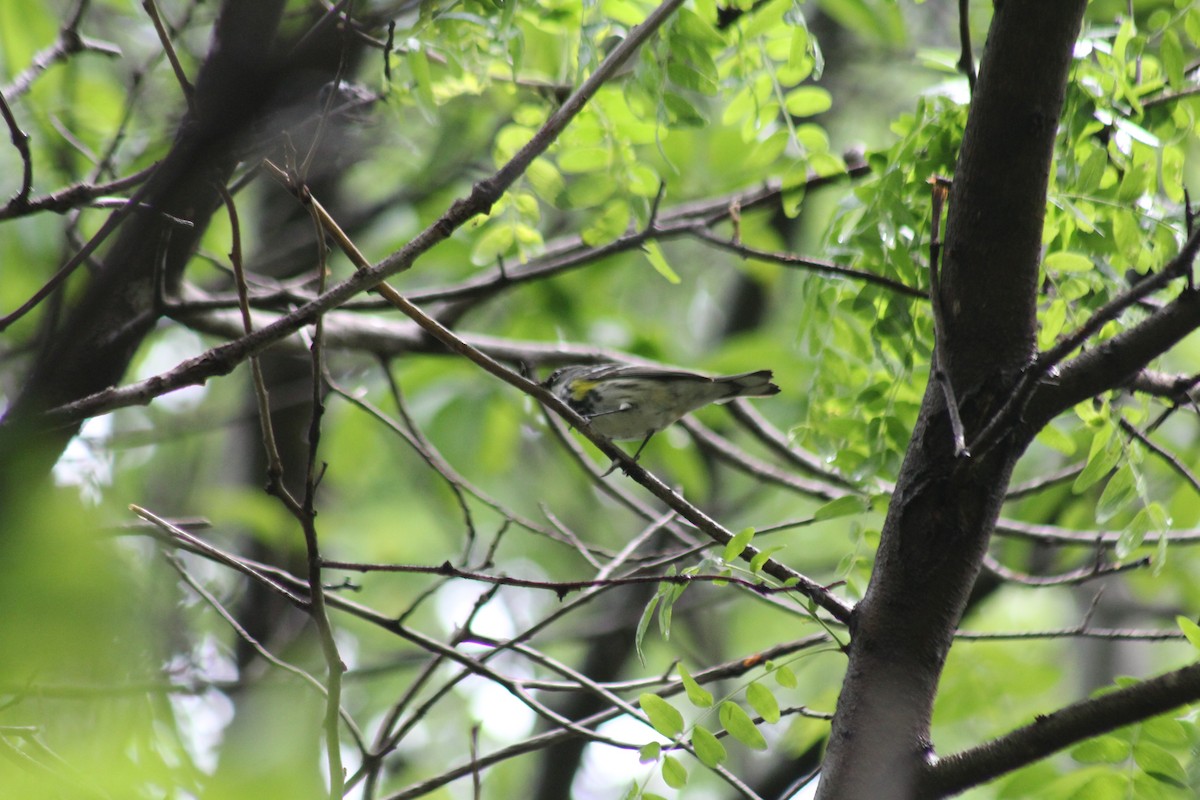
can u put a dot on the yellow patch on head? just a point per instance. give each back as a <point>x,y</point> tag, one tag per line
<point>580,388</point>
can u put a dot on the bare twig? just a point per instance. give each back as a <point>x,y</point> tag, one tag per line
<point>940,188</point>
<point>76,195</point>
<point>560,588</point>
<point>1043,482</point>
<point>274,462</point>
<point>816,265</point>
<point>68,43</point>
<point>1166,455</point>
<point>1056,535</point>
<point>20,140</point>
<point>164,39</point>
<point>65,271</point>
<point>966,61</point>
<point>1072,578</point>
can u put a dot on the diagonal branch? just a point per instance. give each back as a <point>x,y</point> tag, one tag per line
<point>1063,728</point>
<point>1111,363</point>
<point>1107,366</point>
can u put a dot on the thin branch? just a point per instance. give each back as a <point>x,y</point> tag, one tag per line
<point>1055,535</point>
<point>776,441</point>
<point>756,468</point>
<point>1078,632</point>
<point>65,271</point>
<point>1043,482</point>
<point>1171,97</point>
<point>68,43</point>
<point>1179,266</point>
<point>189,91</point>
<point>732,669</point>
<point>1162,384</point>
<point>274,462</point>
<point>560,588</point>
<point>437,462</point>
<point>258,647</point>
<point>966,61</point>
<point>76,195</point>
<point>20,140</point>
<point>806,263</point>
<point>1166,455</point>
<point>1072,578</point>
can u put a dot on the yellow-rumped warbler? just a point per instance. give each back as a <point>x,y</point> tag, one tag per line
<point>623,401</point>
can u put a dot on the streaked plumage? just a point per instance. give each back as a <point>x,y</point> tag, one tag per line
<point>629,402</point>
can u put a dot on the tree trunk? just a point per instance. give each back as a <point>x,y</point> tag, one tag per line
<point>945,505</point>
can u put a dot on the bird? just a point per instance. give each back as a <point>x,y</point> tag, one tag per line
<point>628,402</point>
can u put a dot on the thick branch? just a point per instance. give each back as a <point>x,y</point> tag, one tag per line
<point>1115,361</point>
<point>1061,729</point>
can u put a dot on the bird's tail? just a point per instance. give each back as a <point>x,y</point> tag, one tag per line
<point>750,384</point>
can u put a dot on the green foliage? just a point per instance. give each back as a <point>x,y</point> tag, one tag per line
<point>723,100</point>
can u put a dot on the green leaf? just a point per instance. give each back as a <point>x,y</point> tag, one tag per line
<point>842,507</point>
<point>1191,631</point>
<point>657,260</point>
<point>697,695</point>
<point>1053,320</point>
<point>1151,518</point>
<point>807,101</point>
<point>609,225</point>
<point>418,64</point>
<point>737,544</point>
<point>1171,51</point>
<point>1102,457</point>
<point>1102,750</point>
<point>1159,764</point>
<point>648,752</point>
<point>670,593</point>
<point>1066,261</point>
<point>1092,171</point>
<point>763,701</point>
<point>785,677</point>
<point>674,773</point>
<point>665,718</point>
<point>763,556</point>
<point>1191,25</point>
<point>739,725</point>
<point>585,159</point>
<point>1117,494</point>
<point>1166,731</point>
<point>708,747</point>
<point>682,112</point>
<point>546,180</point>
<point>495,242</point>
<point>1053,437</point>
<point>643,626</point>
